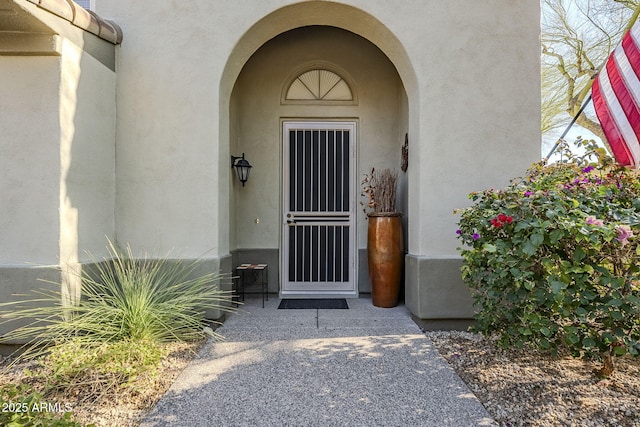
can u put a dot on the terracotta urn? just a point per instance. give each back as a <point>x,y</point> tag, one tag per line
<point>384,253</point>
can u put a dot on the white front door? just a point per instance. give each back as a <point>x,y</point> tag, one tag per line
<point>318,239</point>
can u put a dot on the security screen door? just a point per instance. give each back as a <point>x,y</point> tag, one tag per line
<point>318,241</point>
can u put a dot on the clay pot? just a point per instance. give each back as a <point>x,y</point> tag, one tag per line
<point>384,253</point>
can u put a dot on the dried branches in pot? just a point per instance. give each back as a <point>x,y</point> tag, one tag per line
<point>380,188</point>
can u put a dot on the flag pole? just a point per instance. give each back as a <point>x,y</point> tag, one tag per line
<point>632,21</point>
<point>557,144</point>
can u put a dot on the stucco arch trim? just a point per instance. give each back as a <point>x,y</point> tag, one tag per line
<point>324,13</point>
<point>319,65</point>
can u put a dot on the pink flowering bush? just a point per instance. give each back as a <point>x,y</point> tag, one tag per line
<point>553,259</point>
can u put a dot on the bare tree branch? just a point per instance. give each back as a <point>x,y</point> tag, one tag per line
<point>577,37</point>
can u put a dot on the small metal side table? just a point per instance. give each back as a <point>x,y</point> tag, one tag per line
<point>247,274</point>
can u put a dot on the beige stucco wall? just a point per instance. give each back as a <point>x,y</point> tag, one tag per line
<point>171,183</point>
<point>58,157</point>
<point>479,109</point>
<point>87,156</point>
<point>29,189</point>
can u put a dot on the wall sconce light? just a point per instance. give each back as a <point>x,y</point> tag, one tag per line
<point>243,167</point>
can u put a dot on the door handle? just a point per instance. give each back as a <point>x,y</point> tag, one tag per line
<point>291,221</point>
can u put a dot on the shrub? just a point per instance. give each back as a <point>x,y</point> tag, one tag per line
<point>554,258</point>
<point>110,340</point>
<point>124,298</point>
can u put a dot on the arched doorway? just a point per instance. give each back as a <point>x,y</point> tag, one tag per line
<point>259,107</point>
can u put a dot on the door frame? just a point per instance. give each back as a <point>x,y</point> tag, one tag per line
<point>319,123</point>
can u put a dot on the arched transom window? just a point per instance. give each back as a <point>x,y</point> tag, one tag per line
<point>319,85</point>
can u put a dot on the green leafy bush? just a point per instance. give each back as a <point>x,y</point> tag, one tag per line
<point>553,259</point>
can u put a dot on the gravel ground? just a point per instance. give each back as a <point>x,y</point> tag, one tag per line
<point>526,388</point>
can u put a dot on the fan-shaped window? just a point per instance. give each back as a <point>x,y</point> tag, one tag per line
<point>319,85</point>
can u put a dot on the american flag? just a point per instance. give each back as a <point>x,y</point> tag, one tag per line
<point>616,98</point>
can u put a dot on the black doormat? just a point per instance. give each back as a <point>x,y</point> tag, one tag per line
<point>322,303</point>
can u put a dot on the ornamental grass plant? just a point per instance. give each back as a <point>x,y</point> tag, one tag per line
<point>553,259</point>
<point>123,298</point>
<point>117,331</point>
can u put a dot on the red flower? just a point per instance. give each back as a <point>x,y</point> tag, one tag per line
<point>505,218</point>
<point>501,220</point>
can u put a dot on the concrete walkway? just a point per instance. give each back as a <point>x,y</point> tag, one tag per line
<point>365,366</point>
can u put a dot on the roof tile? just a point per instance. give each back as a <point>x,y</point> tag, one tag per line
<point>110,31</point>
<point>87,19</point>
<point>82,18</point>
<point>62,8</point>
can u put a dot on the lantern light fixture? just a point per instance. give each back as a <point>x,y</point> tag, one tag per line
<point>243,167</point>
